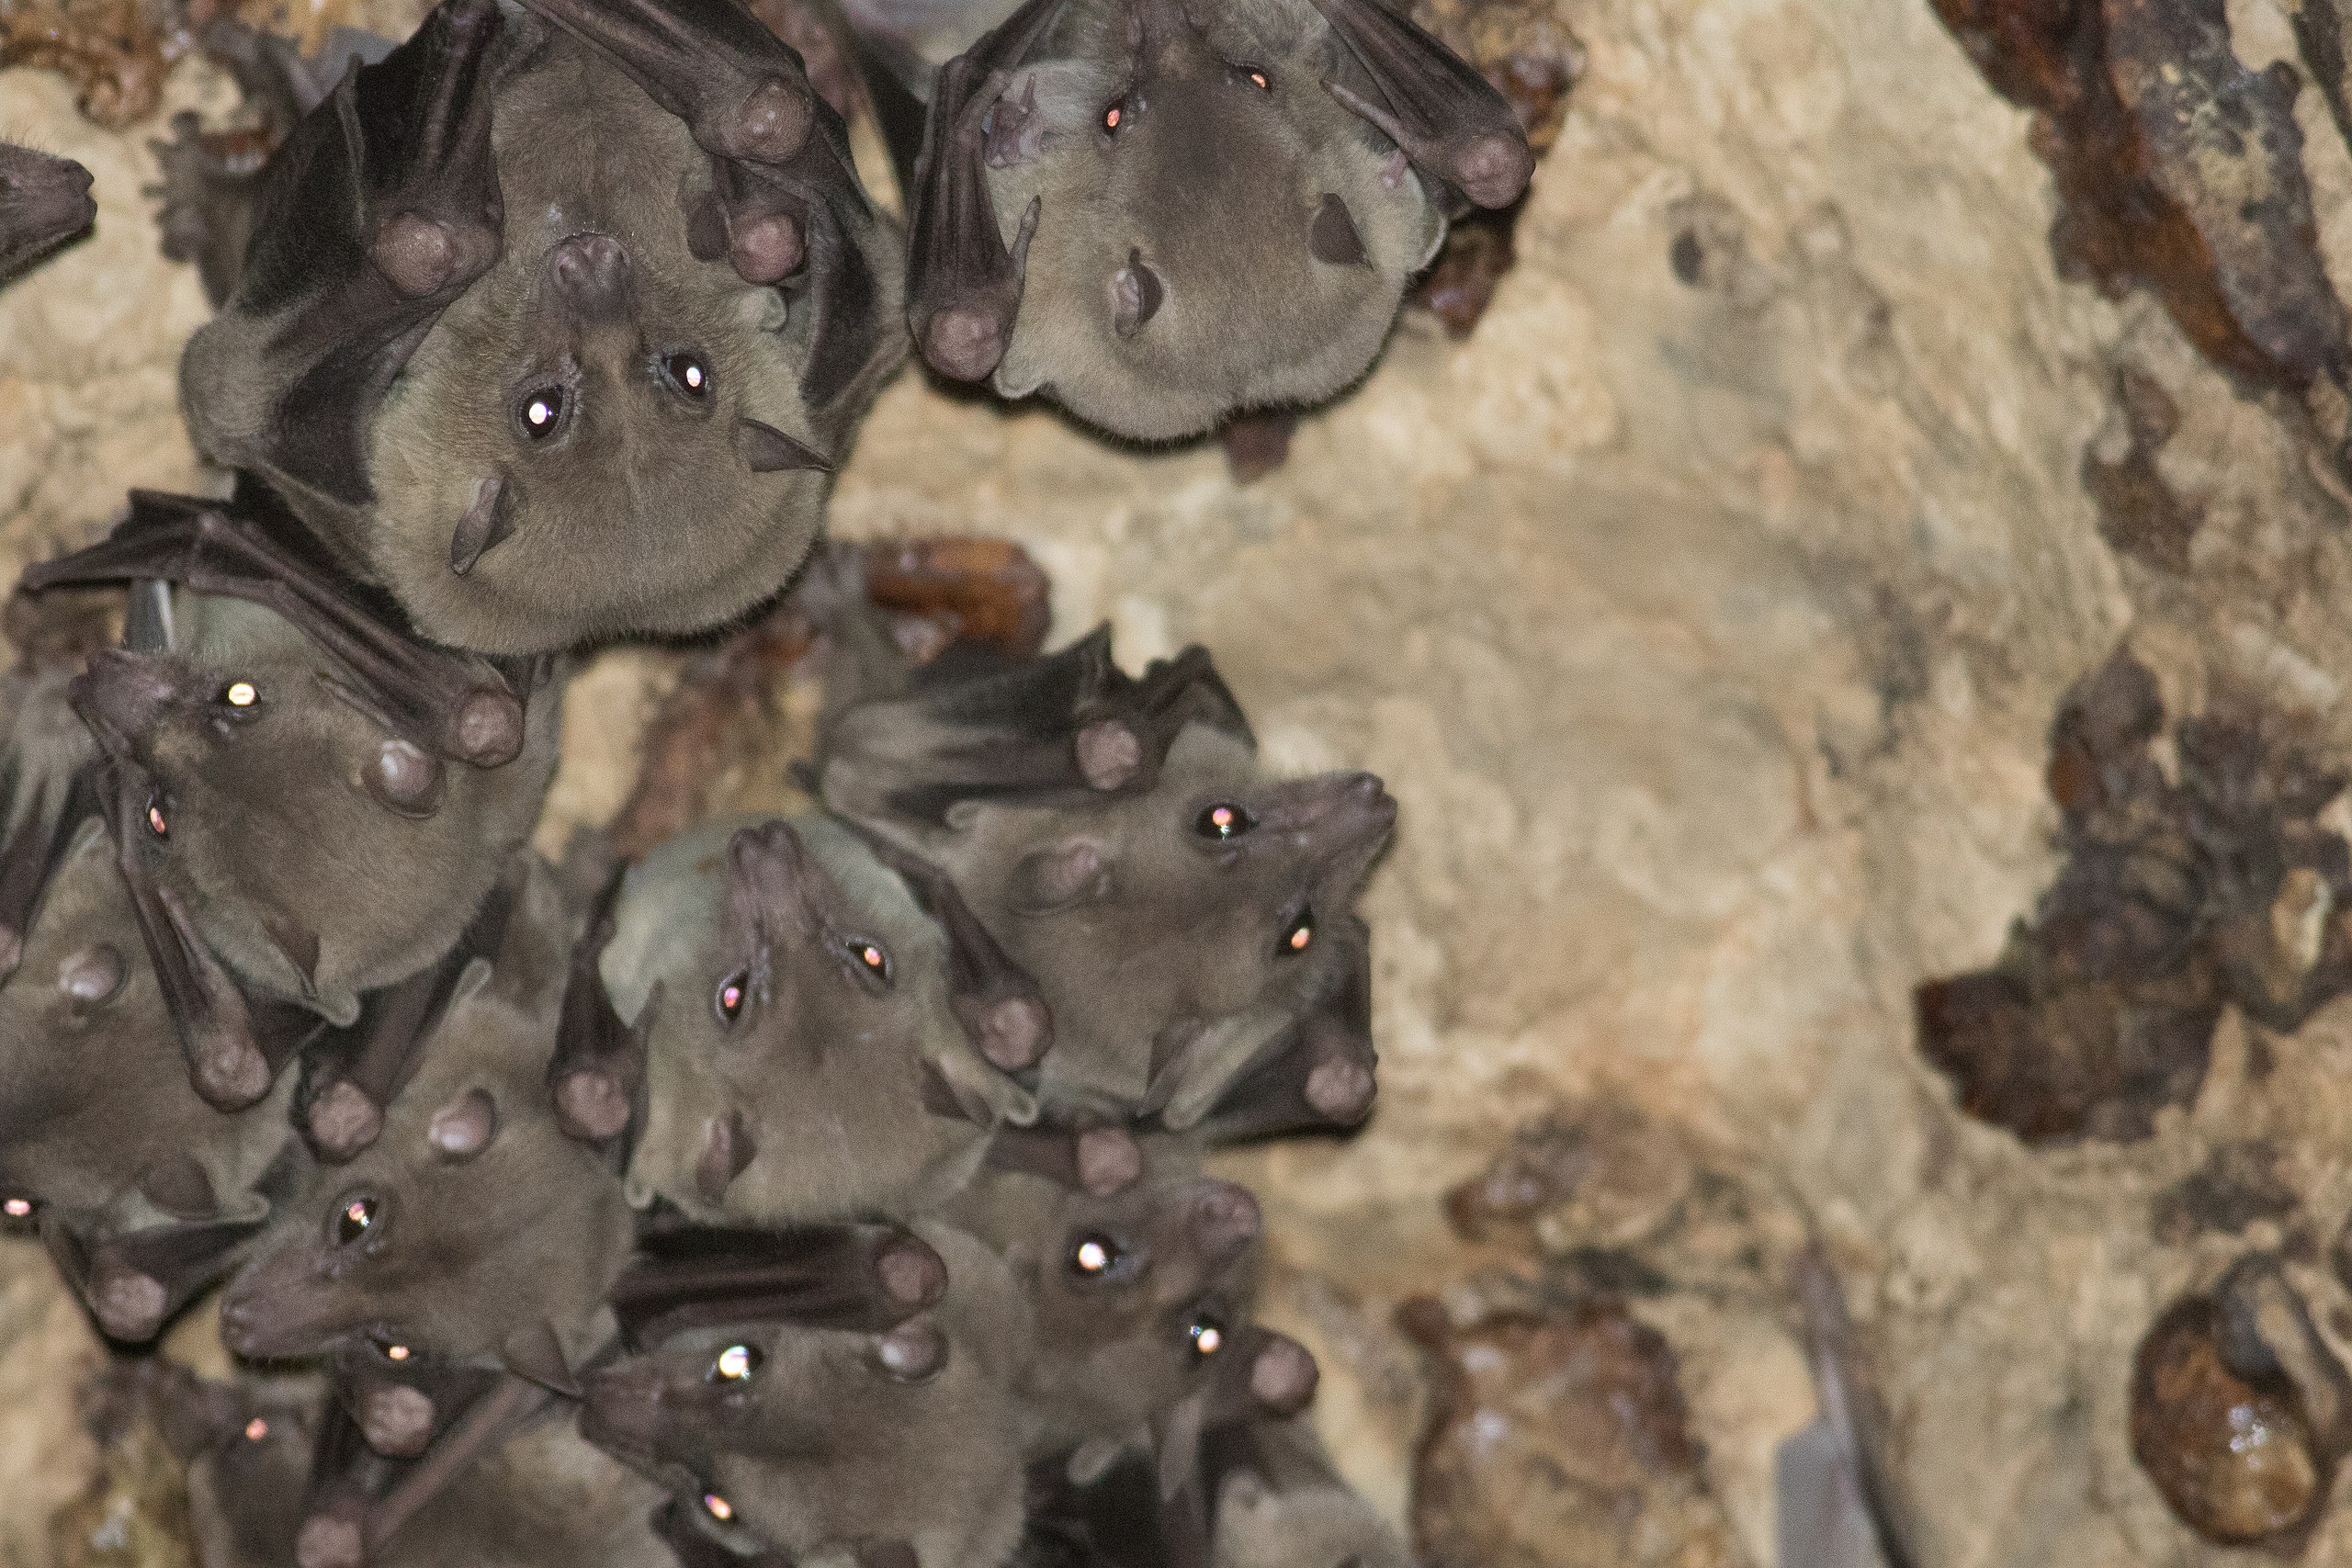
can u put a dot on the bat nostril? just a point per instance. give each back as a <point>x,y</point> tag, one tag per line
<point>591,271</point>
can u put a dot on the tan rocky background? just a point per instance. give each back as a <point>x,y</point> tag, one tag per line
<point>1709,608</point>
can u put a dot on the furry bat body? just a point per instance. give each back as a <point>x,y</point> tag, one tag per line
<point>800,1022</point>
<point>836,1447</point>
<point>144,1192</point>
<point>44,201</point>
<point>553,324</point>
<point>474,1231</point>
<point>1180,912</point>
<point>1159,214</point>
<point>1276,1502</point>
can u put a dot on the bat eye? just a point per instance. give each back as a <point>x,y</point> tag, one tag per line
<point>736,1364</point>
<point>390,1349</point>
<point>718,1508</point>
<point>1257,78</point>
<point>1298,935</point>
<point>240,694</point>
<point>541,413</point>
<point>868,961</point>
<point>688,374</point>
<point>728,1000</point>
<point>1094,1256</point>
<point>158,823</point>
<point>1206,1334</point>
<point>17,1208</point>
<point>1115,115</point>
<point>354,1218</point>
<point>256,1429</point>
<point>1224,821</point>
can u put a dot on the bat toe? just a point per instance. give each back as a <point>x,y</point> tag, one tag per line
<point>230,1075</point>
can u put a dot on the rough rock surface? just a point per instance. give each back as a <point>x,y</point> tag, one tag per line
<point>1707,608</point>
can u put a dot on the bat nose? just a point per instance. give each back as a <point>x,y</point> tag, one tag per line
<point>591,273</point>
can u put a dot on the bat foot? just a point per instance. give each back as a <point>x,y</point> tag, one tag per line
<point>964,343</point>
<point>129,1305</point>
<point>1015,1032</point>
<point>913,1352</point>
<point>229,1075</point>
<point>330,1541</point>
<point>490,729</point>
<point>1493,170</point>
<point>1110,755</point>
<point>344,1121</point>
<point>767,125</point>
<point>1109,1160</point>
<point>591,1106</point>
<point>1283,1376</point>
<point>397,1420</point>
<point>1342,1091</point>
<point>911,1273</point>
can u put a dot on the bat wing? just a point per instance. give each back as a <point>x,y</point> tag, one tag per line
<point>1444,115</point>
<point>597,1074</point>
<point>866,1277</point>
<point>963,282</point>
<point>1319,1079</point>
<point>53,810</point>
<point>457,706</point>
<point>135,1281</point>
<point>389,193</point>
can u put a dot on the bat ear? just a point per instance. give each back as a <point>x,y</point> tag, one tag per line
<point>465,1126</point>
<point>536,1352</point>
<point>1058,876</point>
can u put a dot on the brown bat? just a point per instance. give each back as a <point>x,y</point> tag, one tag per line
<point>1179,913</point>
<point>606,260</point>
<point>1160,213</point>
<point>473,1231</point>
<point>799,1018</point>
<point>44,202</point>
<point>842,1447</point>
<point>1277,1503</point>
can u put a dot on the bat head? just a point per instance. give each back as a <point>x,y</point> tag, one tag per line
<point>1215,230</point>
<point>1313,1526</point>
<point>799,1437</point>
<point>319,854</point>
<point>800,999</point>
<point>608,432</point>
<point>248,1446</point>
<point>44,201</point>
<point>473,1228</point>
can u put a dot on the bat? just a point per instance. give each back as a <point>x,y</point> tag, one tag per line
<point>1141,1300</point>
<point>144,1192</point>
<point>896,1448</point>
<point>1159,214</point>
<point>799,1019</point>
<point>44,202</point>
<point>605,259</point>
<point>290,747</point>
<point>1277,1504</point>
<point>473,1231</point>
<point>1177,911</point>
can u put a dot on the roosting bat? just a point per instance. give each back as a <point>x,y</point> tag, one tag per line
<point>1179,912</point>
<point>44,201</point>
<point>1142,1301</point>
<point>1158,213</point>
<point>554,323</point>
<point>1277,1504</point>
<point>835,1446</point>
<point>474,1231</point>
<point>144,1191</point>
<point>799,1022</point>
<point>290,751</point>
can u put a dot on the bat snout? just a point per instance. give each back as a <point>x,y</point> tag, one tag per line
<point>592,275</point>
<point>123,697</point>
<point>621,1411</point>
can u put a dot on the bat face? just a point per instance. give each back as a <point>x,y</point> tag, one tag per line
<point>44,201</point>
<point>1283,1505</point>
<point>93,1090</point>
<point>472,1222</point>
<point>248,1446</point>
<point>1215,230</point>
<point>799,998</point>
<point>1176,930</point>
<point>603,407</point>
<point>319,854</point>
<point>805,1439</point>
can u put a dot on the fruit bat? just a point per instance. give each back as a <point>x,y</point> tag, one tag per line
<point>1276,1502</point>
<point>1178,911</point>
<point>1160,213</point>
<point>1141,1300</point>
<point>552,324</point>
<point>473,1231</point>
<point>143,1191</point>
<point>287,748</point>
<point>44,201</point>
<point>800,1017</point>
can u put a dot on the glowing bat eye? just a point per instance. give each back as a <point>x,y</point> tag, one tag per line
<point>737,1363</point>
<point>392,1352</point>
<point>870,958</point>
<point>256,1429</point>
<point>729,1000</point>
<point>155,820</point>
<point>240,694</point>
<point>1300,934</point>
<point>1260,78</point>
<point>1115,115</point>
<point>1224,822</point>
<point>541,412</point>
<point>17,1208</point>
<point>1093,1257</point>
<point>354,1220</point>
<point>718,1508</point>
<point>1207,1335</point>
<point>688,374</point>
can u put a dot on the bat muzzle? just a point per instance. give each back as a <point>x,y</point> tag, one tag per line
<point>592,275</point>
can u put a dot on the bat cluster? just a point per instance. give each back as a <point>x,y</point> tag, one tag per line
<point>826,1190</point>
